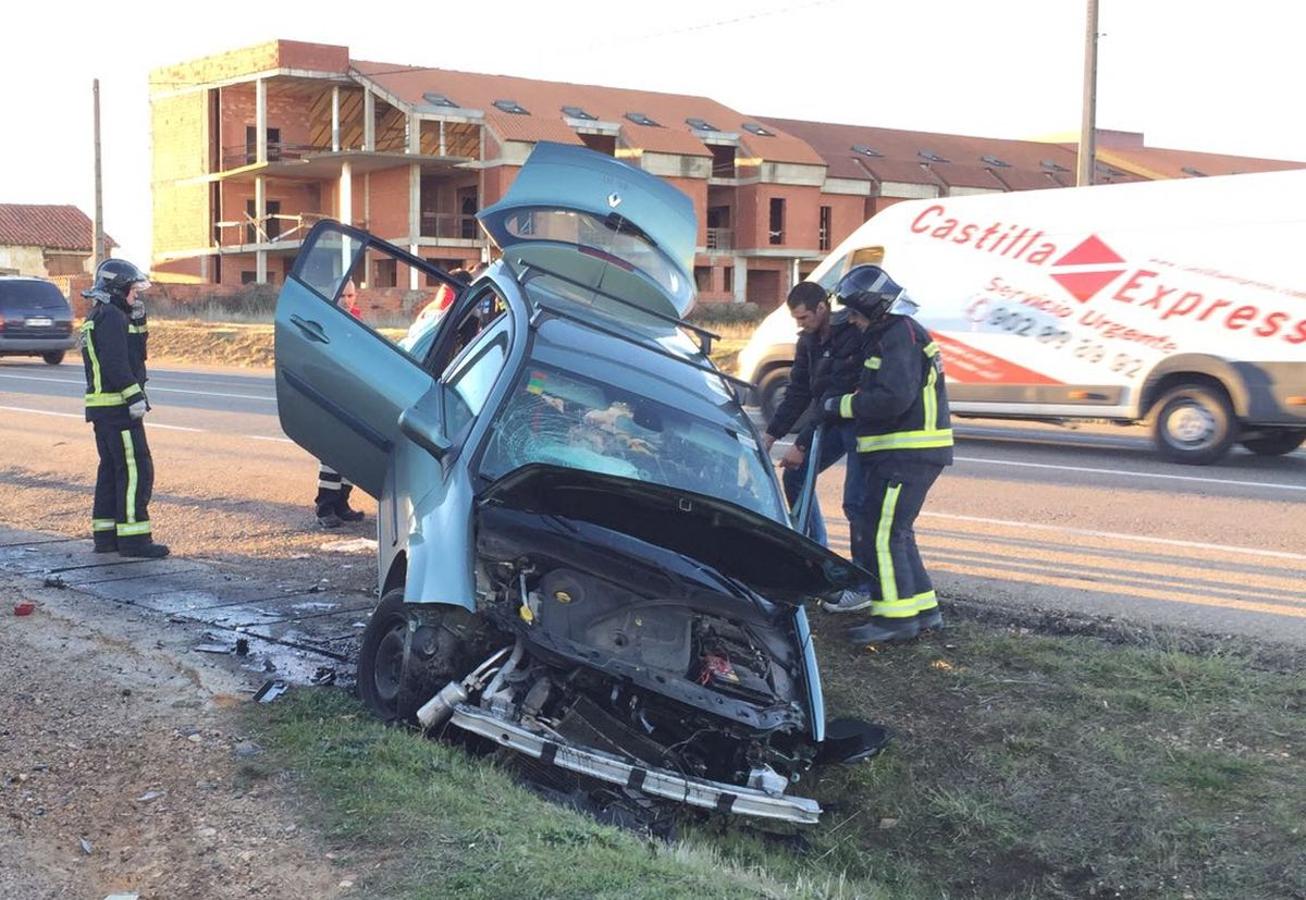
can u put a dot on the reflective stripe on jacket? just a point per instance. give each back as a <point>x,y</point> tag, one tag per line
<point>111,383</point>
<point>901,401</point>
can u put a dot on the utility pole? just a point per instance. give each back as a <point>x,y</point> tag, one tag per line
<point>1088,124</point>
<point>99,187</point>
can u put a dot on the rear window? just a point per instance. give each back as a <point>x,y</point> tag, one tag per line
<point>31,295</point>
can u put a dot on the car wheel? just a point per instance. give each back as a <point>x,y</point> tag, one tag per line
<point>1193,424</point>
<point>771,390</point>
<point>409,652</point>
<point>1276,442</point>
<point>53,358</point>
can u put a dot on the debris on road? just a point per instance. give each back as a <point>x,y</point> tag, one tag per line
<point>55,581</point>
<point>87,847</point>
<point>25,608</point>
<point>323,676</point>
<point>354,545</point>
<point>242,646</point>
<point>222,649</point>
<point>270,691</point>
<point>150,795</point>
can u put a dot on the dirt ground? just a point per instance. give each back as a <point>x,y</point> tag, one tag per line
<point>123,767</point>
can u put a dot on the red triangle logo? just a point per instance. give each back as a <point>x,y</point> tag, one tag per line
<point>1083,285</point>
<point>1090,251</point>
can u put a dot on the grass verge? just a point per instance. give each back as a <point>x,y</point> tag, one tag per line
<point>1024,766</point>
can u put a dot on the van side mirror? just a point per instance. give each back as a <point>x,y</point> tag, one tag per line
<point>423,424</point>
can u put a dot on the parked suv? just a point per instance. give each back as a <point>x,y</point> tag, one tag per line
<point>35,319</point>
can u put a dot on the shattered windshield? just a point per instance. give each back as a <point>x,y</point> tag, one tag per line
<point>563,419</point>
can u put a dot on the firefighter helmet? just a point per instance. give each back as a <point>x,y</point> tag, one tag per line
<point>870,291</point>
<point>114,279</point>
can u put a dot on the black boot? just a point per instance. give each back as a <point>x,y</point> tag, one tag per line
<point>931,619</point>
<point>884,630</point>
<point>342,509</point>
<point>105,541</point>
<point>142,549</point>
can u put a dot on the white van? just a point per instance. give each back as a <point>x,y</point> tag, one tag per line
<point>1181,302</point>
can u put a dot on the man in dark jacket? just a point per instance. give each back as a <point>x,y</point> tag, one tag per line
<point>115,406</point>
<point>904,440</point>
<point>827,361</point>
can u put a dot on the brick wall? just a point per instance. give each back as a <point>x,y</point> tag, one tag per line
<point>847,214</point>
<point>248,60</point>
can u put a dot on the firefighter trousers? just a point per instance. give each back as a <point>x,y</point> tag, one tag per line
<point>332,490</point>
<point>895,492</point>
<point>124,483</point>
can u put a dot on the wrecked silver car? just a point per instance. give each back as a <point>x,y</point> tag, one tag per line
<point>585,555</point>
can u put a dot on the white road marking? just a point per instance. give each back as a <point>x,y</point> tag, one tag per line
<point>175,427</point>
<point>264,437</point>
<point>1195,478</point>
<point>43,412</point>
<point>152,390</point>
<point>1136,538</point>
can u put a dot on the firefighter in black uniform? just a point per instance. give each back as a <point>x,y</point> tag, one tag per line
<point>904,437</point>
<point>115,406</point>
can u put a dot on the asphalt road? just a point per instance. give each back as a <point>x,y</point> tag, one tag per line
<point>1085,520</point>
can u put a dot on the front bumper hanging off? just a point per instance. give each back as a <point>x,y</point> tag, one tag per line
<point>727,798</point>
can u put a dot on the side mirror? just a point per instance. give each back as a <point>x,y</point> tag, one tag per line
<point>423,424</point>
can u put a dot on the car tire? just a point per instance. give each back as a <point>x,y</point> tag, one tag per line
<point>408,652</point>
<point>771,390</point>
<point>1276,442</point>
<point>1193,424</point>
<point>53,358</point>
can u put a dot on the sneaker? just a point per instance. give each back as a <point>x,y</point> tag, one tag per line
<point>146,550</point>
<point>882,630</point>
<point>846,602</point>
<point>329,520</point>
<point>348,514</point>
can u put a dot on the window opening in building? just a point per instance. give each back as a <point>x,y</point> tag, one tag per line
<point>511,106</point>
<point>991,160</point>
<point>576,112</point>
<point>866,150</point>
<point>468,203</point>
<point>600,143</point>
<point>754,128</point>
<point>251,144</point>
<point>931,156</point>
<point>728,278</point>
<point>271,224</point>
<point>700,124</point>
<point>435,99</point>
<point>777,232</point>
<point>723,160</point>
<point>824,235</point>
<point>702,278</point>
<point>248,277</point>
<point>384,273</point>
<point>640,119</point>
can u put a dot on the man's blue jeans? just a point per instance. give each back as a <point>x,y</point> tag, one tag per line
<point>838,442</point>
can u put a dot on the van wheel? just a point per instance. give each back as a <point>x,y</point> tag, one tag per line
<point>1193,424</point>
<point>1276,442</point>
<point>771,390</point>
<point>409,651</point>
<point>53,358</point>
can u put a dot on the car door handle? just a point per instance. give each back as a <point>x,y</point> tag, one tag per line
<point>312,330</point>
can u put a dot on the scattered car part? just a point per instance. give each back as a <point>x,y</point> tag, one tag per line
<point>270,691</point>
<point>24,608</point>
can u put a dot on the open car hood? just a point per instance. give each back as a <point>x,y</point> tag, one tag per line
<point>562,177</point>
<point>768,557</point>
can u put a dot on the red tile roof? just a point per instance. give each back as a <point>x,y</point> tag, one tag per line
<point>901,156</point>
<point>544,101</point>
<point>1158,162</point>
<point>49,226</point>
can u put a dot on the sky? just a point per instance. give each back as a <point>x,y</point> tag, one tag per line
<point>1191,74</point>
